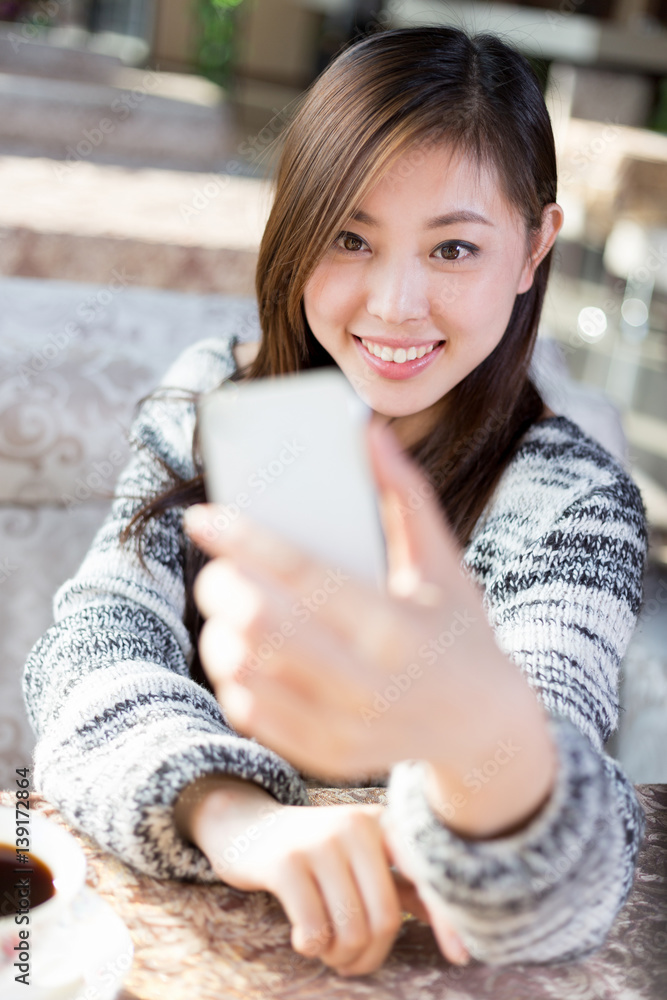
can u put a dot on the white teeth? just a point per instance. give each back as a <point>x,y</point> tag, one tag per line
<point>400,355</point>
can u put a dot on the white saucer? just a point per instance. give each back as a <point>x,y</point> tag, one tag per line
<point>92,960</point>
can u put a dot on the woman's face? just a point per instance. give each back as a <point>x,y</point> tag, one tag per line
<point>433,256</point>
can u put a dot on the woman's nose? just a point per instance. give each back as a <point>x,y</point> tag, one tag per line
<point>397,292</point>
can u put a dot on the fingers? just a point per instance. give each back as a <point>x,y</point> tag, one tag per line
<point>223,652</point>
<point>342,624</point>
<point>347,913</point>
<point>305,657</point>
<point>282,719</point>
<point>267,625</point>
<point>380,899</point>
<point>303,582</point>
<point>424,903</point>
<point>210,527</point>
<point>417,531</point>
<point>273,713</point>
<point>449,942</point>
<point>306,910</point>
<point>220,588</point>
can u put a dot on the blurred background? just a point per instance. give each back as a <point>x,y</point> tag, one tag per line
<point>136,146</point>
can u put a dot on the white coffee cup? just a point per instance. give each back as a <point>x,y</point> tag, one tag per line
<point>49,922</point>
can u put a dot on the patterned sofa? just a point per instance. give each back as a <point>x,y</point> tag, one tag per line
<point>74,361</point>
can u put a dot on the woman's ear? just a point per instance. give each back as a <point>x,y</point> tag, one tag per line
<point>541,243</point>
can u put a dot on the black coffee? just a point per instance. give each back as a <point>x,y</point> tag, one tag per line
<point>15,877</point>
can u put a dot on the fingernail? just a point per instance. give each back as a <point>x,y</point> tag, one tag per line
<point>238,702</point>
<point>462,956</point>
<point>200,524</point>
<point>404,581</point>
<point>214,522</point>
<point>194,518</point>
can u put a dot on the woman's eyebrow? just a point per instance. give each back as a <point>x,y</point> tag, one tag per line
<point>460,215</point>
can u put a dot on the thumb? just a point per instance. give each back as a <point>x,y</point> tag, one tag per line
<point>420,544</point>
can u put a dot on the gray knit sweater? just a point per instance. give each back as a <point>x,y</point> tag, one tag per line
<point>559,552</point>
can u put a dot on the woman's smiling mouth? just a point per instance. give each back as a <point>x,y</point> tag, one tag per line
<point>398,362</point>
<point>397,354</point>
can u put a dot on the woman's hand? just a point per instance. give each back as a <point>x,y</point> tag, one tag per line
<point>327,865</point>
<point>351,688</point>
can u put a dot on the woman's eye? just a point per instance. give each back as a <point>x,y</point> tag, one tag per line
<point>349,242</point>
<point>456,251</point>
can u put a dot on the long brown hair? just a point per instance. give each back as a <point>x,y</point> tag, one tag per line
<point>390,94</point>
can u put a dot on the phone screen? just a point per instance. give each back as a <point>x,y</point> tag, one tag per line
<point>290,451</point>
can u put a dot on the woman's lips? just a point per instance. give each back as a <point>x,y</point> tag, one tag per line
<point>393,369</point>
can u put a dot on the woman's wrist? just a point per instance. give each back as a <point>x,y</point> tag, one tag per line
<point>213,794</point>
<point>509,784</point>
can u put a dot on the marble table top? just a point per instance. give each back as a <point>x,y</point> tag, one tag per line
<point>212,942</point>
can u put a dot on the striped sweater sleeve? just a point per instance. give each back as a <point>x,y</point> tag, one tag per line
<point>564,611</point>
<point>121,727</point>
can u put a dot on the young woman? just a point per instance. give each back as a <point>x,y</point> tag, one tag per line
<point>409,244</point>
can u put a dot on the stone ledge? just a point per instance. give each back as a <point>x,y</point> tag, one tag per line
<point>193,209</point>
<point>25,253</point>
<point>131,123</point>
<point>167,229</point>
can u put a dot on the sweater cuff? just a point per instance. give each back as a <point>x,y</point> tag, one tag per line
<point>492,890</point>
<point>121,789</point>
<point>154,803</point>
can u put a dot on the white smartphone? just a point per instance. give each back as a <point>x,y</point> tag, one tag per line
<point>290,451</point>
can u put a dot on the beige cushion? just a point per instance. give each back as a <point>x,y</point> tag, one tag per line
<point>74,361</point>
